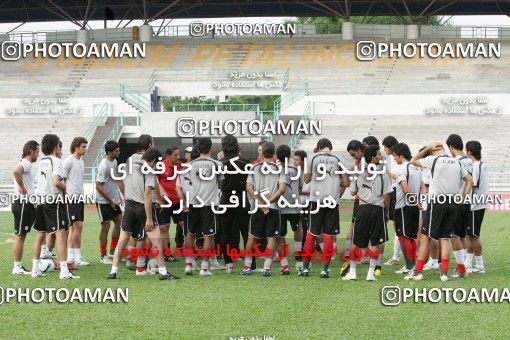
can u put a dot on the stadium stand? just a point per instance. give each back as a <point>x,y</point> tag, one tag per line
<point>312,65</point>
<point>19,130</point>
<point>329,68</point>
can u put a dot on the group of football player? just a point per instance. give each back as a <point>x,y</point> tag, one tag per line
<point>427,196</point>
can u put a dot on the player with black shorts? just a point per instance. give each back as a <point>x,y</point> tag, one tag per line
<point>108,189</point>
<point>264,185</point>
<point>326,188</point>
<point>201,221</point>
<point>447,174</point>
<point>392,167</point>
<point>139,218</point>
<point>480,203</point>
<point>235,219</point>
<point>373,189</point>
<point>167,181</point>
<point>184,189</point>
<point>465,215</point>
<point>304,194</point>
<point>407,213</point>
<point>355,149</point>
<point>22,208</point>
<point>289,214</point>
<point>74,169</point>
<point>51,213</point>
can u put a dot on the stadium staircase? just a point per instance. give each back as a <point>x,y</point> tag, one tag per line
<point>97,142</point>
<point>73,81</point>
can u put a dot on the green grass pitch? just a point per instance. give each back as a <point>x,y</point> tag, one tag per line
<point>224,306</point>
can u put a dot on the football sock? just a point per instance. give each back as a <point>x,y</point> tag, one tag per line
<point>419,265</point>
<point>113,244</point>
<point>469,259</point>
<point>396,248</point>
<point>298,247</point>
<point>444,265</point>
<point>267,263</point>
<point>347,251</point>
<point>102,249</point>
<point>309,248</point>
<point>35,266</point>
<point>479,261</point>
<point>63,267</point>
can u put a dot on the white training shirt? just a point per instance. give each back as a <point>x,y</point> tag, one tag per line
<point>49,166</point>
<point>73,173</point>
<point>27,177</point>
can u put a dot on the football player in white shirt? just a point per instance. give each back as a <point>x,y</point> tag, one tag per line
<point>464,215</point>
<point>392,167</point>
<point>109,199</point>
<point>48,246</point>
<point>51,216</point>
<point>407,215</point>
<point>480,190</point>
<point>447,175</point>
<point>22,209</point>
<point>74,168</point>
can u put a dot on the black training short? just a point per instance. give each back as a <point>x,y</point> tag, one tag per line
<point>265,225</point>
<point>393,200</point>
<point>50,218</point>
<point>304,219</point>
<point>476,222</point>
<point>292,219</point>
<point>464,220</point>
<point>168,214</point>
<point>134,219</point>
<point>407,221</point>
<point>24,216</point>
<point>201,221</point>
<point>441,222</point>
<point>75,212</point>
<point>355,210</point>
<point>325,221</point>
<point>157,211</point>
<point>370,226</point>
<point>107,213</point>
<point>425,217</point>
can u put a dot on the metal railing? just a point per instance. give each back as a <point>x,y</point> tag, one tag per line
<point>301,30</point>
<point>462,86</point>
<point>98,120</point>
<point>286,78</point>
<point>294,94</point>
<point>41,36</point>
<point>114,135</point>
<point>84,90</point>
<point>359,30</point>
<point>288,98</point>
<point>135,98</point>
<point>263,117</point>
<point>215,107</point>
<point>277,107</point>
<point>305,117</point>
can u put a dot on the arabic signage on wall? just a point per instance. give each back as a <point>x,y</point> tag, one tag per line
<point>44,106</point>
<point>262,80</point>
<point>478,105</point>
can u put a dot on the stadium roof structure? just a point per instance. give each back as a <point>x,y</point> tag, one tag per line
<point>81,11</point>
